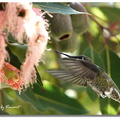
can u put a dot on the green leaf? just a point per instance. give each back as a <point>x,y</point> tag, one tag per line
<point>112,13</point>
<point>54,99</point>
<point>18,50</point>
<point>54,7</point>
<point>38,78</point>
<point>30,97</point>
<point>13,59</point>
<point>108,106</point>
<point>106,13</point>
<point>24,108</point>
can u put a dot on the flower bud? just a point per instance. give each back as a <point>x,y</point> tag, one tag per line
<point>80,22</point>
<point>60,26</point>
<point>68,45</point>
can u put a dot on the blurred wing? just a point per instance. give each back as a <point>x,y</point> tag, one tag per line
<point>68,77</point>
<point>80,68</point>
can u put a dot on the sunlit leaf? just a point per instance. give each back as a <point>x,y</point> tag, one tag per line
<point>108,106</point>
<point>112,13</point>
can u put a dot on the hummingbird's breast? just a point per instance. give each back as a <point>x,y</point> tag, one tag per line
<point>100,85</point>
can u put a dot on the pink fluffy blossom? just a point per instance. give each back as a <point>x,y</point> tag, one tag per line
<point>3,52</point>
<point>24,23</point>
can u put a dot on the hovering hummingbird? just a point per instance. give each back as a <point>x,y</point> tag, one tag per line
<point>82,71</point>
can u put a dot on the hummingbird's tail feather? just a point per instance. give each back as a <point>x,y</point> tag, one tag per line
<point>68,77</point>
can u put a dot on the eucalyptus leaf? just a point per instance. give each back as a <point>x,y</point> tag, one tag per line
<point>56,7</point>
<point>112,13</point>
<point>30,97</point>
<point>54,99</point>
<point>108,106</point>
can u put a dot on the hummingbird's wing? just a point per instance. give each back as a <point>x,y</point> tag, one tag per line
<point>80,68</point>
<point>68,77</point>
<point>76,71</point>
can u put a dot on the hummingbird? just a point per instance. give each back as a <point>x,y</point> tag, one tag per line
<point>82,71</point>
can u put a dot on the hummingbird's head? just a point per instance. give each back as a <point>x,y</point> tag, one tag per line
<point>84,58</point>
<point>79,57</point>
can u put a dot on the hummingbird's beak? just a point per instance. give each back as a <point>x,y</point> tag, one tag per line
<point>80,56</point>
<point>63,53</point>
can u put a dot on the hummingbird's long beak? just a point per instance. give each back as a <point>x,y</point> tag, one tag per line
<point>63,53</point>
<point>80,56</point>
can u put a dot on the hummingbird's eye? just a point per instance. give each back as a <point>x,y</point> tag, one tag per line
<point>83,58</point>
<point>86,59</point>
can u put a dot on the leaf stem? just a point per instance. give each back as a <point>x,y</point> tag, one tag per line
<point>2,99</point>
<point>108,60</point>
<point>91,47</point>
<point>92,54</point>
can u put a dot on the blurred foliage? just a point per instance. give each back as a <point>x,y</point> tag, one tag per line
<point>50,96</point>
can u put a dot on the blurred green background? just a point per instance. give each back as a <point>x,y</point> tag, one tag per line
<point>98,36</point>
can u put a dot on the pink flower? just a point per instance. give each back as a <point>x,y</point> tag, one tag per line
<point>3,52</point>
<point>3,17</point>
<point>35,28</point>
<point>24,23</point>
